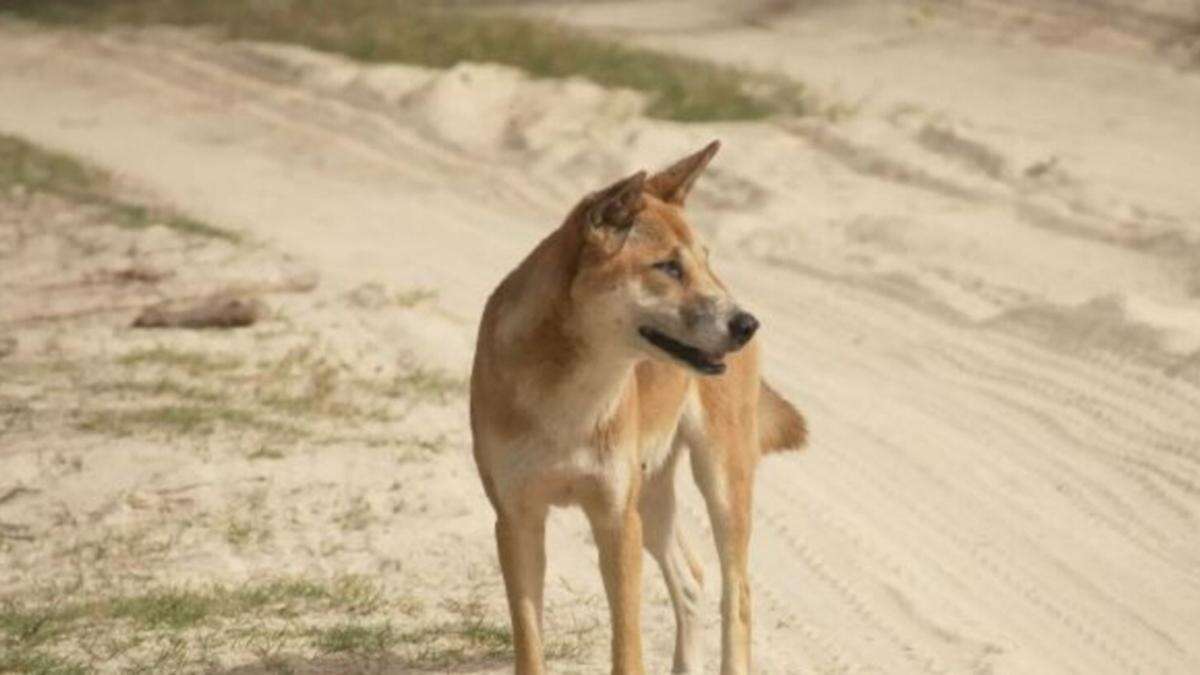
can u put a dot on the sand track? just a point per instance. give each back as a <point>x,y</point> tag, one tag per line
<point>1000,481</point>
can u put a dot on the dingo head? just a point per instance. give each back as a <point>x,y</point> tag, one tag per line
<point>643,283</point>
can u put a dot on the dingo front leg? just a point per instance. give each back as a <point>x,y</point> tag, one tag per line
<point>726,488</point>
<point>521,541</point>
<point>618,533</point>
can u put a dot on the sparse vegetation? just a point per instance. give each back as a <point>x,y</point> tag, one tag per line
<point>180,419</point>
<point>426,383</point>
<point>242,532</point>
<point>283,394</point>
<point>34,661</point>
<point>266,452</point>
<point>26,169</point>
<point>472,633</point>
<point>376,296</point>
<point>199,393</point>
<point>354,638</point>
<point>163,609</point>
<point>194,363</point>
<point>180,623</point>
<point>357,515</point>
<point>414,296</point>
<point>408,31</point>
<point>179,627</point>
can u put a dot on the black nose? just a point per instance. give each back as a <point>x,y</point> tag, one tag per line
<point>742,327</point>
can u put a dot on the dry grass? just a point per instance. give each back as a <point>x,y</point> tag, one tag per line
<point>169,629</point>
<point>174,392</point>
<point>680,88</point>
<point>172,629</point>
<point>26,169</point>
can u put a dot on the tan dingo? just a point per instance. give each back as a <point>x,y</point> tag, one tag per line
<point>609,350</point>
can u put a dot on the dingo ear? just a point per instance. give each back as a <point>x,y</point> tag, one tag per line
<point>611,211</point>
<point>673,183</point>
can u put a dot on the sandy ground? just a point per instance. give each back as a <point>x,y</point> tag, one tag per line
<point>983,287</point>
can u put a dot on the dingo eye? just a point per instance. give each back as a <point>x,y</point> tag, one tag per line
<point>671,268</point>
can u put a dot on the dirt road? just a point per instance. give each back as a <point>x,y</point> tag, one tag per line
<point>987,305</point>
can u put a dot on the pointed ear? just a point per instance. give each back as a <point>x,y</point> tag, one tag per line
<point>609,213</point>
<point>673,183</point>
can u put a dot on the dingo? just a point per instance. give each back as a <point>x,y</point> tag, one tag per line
<point>603,355</point>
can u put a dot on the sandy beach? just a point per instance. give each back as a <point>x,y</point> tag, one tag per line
<point>980,279</point>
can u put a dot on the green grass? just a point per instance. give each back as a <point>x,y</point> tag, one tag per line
<point>165,609</point>
<point>355,638</point>
<point>177,628</point>
<point>24,167</point>
<point>180,626</point>
<point>38,663</point>
<point>32,627</point>
<point>680,88</point>
<point>178,608</point>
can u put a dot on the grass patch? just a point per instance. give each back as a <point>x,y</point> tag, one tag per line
<point>159,388</point>
<point>27,627</point>
<point>288,396</point>
<point>266,452</point>
<point>137,217</point>
<point>41,663</point>
<point>417,382</point>
<point>315,396</point>
<point>178,608</point>
<point>240,533</point>
<point>354,638</point>
<point>179,419</point>
<point>472,634</point>
<point>192,362</point>
<point>170,629</point>
<point>24,167</point>
<point>680,88</point>
<point>164,609</point>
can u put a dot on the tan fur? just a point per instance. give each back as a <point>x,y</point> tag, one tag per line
<point>780,425</point>
<point>574,403</point>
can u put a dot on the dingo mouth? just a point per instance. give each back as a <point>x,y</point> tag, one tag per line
<point>694,357</point>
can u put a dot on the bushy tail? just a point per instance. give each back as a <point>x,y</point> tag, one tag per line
<point>780,425</point>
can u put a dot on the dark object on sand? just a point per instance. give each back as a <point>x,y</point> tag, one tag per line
<point>221,311</point>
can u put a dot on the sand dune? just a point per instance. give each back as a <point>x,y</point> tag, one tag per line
<point>982,288</point>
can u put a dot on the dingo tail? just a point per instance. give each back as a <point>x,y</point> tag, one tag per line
<point>780,426</point>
